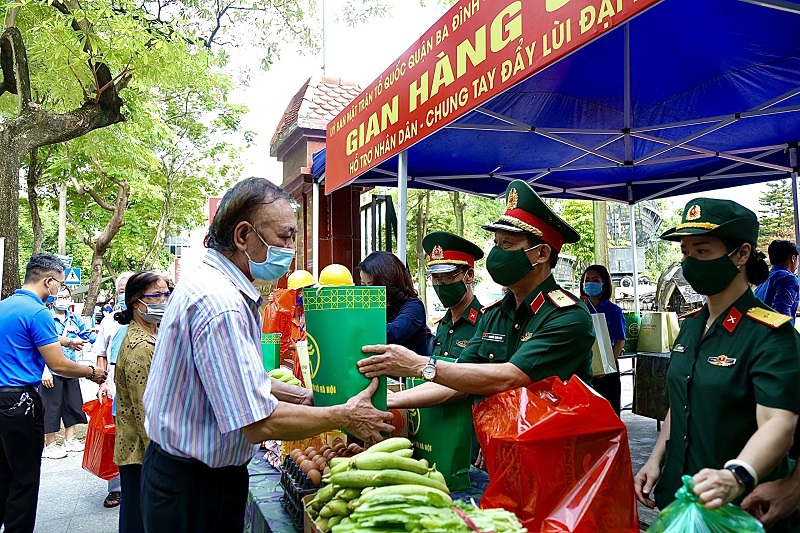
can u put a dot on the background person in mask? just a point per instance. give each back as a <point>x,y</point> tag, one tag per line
<point>28,340</point>
<point>596,291</point>
<point>209,403</point>
<point>406,320</point>
<point>62,395</point>
<point>451,269</point>
<point>536,331</point>
<point>733,373</point>
<point>147,294</point>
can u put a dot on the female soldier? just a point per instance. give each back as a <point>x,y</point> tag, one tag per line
<point>733,372</point>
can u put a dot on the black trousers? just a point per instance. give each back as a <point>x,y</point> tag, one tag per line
<point>130,509</point>
<point>185,495</point>
<point>21,444</point>
<point>610,388</point>
<point>63,401</point>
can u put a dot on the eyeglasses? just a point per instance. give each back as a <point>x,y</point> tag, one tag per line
<point>156,298</point>
<point>437,279</point>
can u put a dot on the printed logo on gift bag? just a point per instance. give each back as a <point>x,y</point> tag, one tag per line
<point>313,355</point>
<point>414,420</point>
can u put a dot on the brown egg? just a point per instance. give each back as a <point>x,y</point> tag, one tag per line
<point>310,449</point>
<point>294,453</point>
<point>323,448</point>
<point>338,447</point>
<point>315,477</point>
<point>300,458</point>
<point>326,470</point>
<point>307,465</point>
<point>327,453</point>
<point>313,455</point>
<point>321,462</point>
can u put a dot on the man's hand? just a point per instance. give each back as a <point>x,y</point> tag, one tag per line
<point>644,481</point>
<point>75,343</point>
<point>99,377</point>
<point>102,392</point>
<point>480,462</point>
<point>715,488</point>
<point>47,378</point>
<point>773,501</point>
<point>364,421</point>
<point>393,360</point>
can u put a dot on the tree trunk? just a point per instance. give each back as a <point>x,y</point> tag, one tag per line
<point>10,162</point>
<point>459,206</point>
<point>34,174</point>
<point>94,282</point>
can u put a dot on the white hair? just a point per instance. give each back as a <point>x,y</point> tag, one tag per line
<point>123,277</point>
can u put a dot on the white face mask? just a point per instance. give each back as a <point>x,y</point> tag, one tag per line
<point>62,305</point>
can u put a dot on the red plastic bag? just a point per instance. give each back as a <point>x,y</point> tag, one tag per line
<point>280,316</point>
<point>98,455</point>
<point>558,458</point>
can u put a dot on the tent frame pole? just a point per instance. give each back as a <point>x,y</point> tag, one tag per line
<point>793,163</point>
<point>315,230</point>
<point>636,306</point>
<point>402,188</point>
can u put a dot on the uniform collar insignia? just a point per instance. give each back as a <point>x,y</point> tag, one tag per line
<point>731,321</point>
<point>722,360</point>
<point>537,302</point>
<point>472,316</point>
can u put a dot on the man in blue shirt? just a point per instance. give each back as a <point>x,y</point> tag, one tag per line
<point>781,291</point>
<point>28,339</point>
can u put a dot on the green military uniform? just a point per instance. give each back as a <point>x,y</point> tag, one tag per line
<point>749,356</point>
<point>550,334</point>
<point>452,338</point>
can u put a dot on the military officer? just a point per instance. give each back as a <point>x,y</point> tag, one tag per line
<point>536,331</point>
<point>733,373</point>
<point>451,267</point>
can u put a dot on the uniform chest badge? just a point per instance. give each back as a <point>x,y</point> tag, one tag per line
<point>462,344</point>
<point>722,360</point>
<point>679,348</point>
<point>494,337</point>
<point>526,336</point>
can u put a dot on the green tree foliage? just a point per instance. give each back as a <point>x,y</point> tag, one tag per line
<point>777,216</point>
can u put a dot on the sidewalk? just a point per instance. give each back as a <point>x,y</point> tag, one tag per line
<point>71,499</point>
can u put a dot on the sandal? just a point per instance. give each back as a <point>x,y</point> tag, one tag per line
<point>112,500</point>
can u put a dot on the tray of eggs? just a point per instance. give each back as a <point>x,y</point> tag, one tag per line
<point>302,471</point>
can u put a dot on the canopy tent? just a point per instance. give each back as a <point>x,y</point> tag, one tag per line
<point>688,96</point>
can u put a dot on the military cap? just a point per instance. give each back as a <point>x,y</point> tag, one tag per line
<point>715,218</point>
<point>446,252</point>
<point>526,212</point>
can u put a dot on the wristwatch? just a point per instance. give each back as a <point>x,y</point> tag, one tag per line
<point>742,476</point>
<point>429,370</point>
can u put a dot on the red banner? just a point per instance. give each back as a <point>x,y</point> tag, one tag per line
<point>475,51</point>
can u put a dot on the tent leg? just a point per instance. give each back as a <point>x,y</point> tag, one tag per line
<point>635,265</point>
<point>793,164</point>
<point>402,219</point>
<point>314,230</point>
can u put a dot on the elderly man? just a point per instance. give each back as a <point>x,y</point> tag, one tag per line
<point>28,340</point>
<point>209,403</point>
<point>536,331</point>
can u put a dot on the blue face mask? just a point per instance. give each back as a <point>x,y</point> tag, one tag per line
<point>122,303</point>
<point>593,289</point>
<point>51,298</point>
<point>275,265</point>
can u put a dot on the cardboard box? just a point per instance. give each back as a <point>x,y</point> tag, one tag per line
<point>308,524</point>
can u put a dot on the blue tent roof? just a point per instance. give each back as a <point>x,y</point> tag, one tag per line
<point>690,95</point>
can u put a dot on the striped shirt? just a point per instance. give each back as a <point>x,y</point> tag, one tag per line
<point>207,379</point>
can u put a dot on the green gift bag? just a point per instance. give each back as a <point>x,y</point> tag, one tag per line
<point>632,324</point>
<point>443,436</point>
<point>339,321</point>
<point>271,350</point>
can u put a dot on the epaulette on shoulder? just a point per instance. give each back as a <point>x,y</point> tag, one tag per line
<point>489,306</point>
<point>765,316</point>
<point>690,313</point>
<point>560,298</point>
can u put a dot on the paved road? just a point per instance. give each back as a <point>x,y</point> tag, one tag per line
<point>71,499</point>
